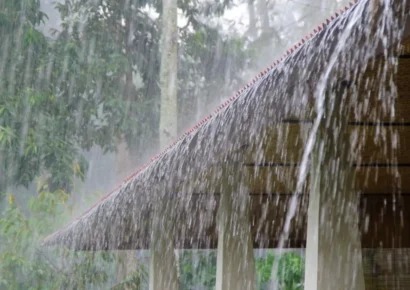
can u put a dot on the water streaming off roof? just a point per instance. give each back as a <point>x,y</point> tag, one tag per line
<point>298,180</point>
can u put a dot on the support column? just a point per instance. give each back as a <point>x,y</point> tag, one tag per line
<point>235,260</point>
<point>127,264</point>
<point>333,249</point>
<point>164,263</point>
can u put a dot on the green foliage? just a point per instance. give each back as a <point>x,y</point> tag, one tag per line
<point>210,67</point>
<point>12,10</point>
<point>33,138</point>
<point>34,135</point>
<point>197,268</point>
<point>264,268</point>
<point>291,270</point>
<point>20,263</point>
<point>55,101</point>
<point>97,82</point>
<point>111,56</point>
<point>134,281</point>
<point>25,265</point>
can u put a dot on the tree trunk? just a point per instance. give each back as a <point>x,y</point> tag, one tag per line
<point>163,268</point>
<point>168,74</point>
<point>252,18</point>
<point>264,16</point>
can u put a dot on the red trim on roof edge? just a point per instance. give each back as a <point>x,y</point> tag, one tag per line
<point>319,28</point>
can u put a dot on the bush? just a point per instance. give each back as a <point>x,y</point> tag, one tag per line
<point>25,265</point>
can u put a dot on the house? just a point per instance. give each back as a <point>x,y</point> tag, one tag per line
<point>312,153</point>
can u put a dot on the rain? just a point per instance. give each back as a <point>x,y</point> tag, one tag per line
<point>200,145</point>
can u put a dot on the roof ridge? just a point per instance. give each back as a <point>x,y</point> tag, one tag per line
<point>222,106</point>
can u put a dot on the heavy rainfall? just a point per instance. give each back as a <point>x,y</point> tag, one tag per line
<point>200,144</point>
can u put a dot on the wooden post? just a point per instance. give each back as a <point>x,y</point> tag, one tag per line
<point>333,249</point>
<point>235,261</point>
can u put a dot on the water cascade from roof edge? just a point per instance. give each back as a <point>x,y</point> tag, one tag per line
<point>325,118</point>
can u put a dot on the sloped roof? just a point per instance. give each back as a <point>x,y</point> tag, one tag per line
<point>74,235</point>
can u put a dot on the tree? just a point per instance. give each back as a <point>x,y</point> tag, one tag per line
<point>169,73</point>
<point>62,97</point>
<point>22,50</point>
<point>23,265</point>
<point>120,45</point>
<point>252,18</point>
<point>264,15</point>
<point>46,118</point>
